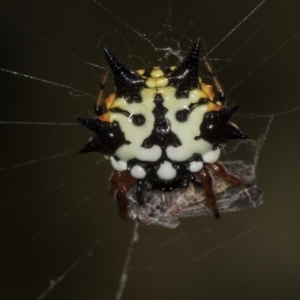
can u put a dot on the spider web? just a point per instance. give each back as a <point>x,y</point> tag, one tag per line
<point>61,235</point>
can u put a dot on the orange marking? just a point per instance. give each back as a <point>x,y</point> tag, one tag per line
<point>105,117</point>
<point>109,100</point>
<point>213,106</point>
<point>208,90</point>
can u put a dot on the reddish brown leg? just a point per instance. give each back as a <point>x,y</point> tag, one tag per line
<point>217,85</point>
<point>121,183</point>
<point>99,107</point>
<point>221,172</point>
<point>207,182</point>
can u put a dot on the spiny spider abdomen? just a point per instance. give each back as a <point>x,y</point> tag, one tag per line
<point>162,129</point>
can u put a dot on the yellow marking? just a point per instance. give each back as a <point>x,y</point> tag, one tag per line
<point>154,82</point>
<point>140,72</point>
<point>157,72</point>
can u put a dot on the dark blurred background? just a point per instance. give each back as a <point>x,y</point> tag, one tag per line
<point>61,236</point>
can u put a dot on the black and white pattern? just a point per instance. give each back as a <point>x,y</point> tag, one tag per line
<point>165,126</point>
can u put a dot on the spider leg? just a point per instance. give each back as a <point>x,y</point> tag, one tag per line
<point>99,107</point>
<point>139,190</point>
<point>121,183</point>
<point>207,183</point>
<point>222,173</point>
<point>217,85</point>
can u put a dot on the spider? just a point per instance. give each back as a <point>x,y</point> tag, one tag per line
<point>162,129</point>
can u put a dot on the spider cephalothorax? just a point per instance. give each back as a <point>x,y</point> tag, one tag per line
<point>162,128</point>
